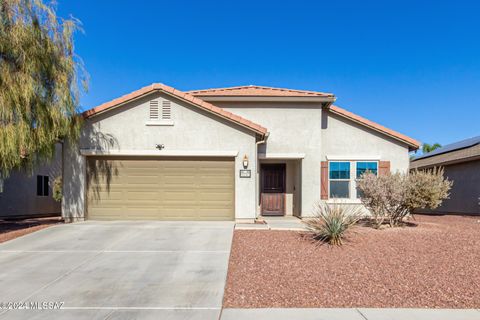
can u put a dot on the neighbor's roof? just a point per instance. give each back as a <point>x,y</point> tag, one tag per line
<point>182,96</point>
<point>258,91</point>
<point>412,143</point>
<point>460,151</point>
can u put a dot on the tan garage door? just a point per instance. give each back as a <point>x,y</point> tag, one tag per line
<point>157,189</point>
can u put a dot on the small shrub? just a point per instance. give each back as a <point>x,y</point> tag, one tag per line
<point>331,222</point>
<point>57,189</point>
<point>393,197</point>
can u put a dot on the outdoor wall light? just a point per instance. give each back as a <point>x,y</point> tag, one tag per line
<point>160,146</point>
<point>245,162</point>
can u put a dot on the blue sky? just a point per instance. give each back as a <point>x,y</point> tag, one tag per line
<point>411,66</point>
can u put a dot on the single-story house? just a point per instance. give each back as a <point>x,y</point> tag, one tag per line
<point>28,194</point>
<point>461,164</point>
<point>222,154</point>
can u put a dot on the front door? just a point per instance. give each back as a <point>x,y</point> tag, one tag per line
<point>272,195</point>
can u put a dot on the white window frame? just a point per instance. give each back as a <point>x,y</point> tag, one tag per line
<point>352,181</point>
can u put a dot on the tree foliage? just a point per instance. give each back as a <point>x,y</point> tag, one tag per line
<point>40,82</point>
<point>392,197</point>
<point>430,147</point>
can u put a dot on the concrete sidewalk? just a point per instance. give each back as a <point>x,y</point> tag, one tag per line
<point>289,223</point>
<point>350,314</point>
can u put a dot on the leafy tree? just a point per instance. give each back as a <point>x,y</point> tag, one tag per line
<point>430,147</point>
<point>40,81</point>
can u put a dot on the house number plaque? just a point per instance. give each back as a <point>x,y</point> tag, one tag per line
<point>245,173</point>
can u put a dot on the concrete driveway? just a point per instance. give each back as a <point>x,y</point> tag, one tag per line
<point>117,270</point>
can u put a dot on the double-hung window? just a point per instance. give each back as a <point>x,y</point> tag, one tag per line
<point>339,174</point>
<point>343,184</point>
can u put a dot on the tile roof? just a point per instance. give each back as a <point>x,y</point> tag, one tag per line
<point>412,143</point>
<point>258,91</point>
<point>182,96</point>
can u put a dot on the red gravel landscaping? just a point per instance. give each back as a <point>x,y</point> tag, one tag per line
<point>435,263</point>
<point>11,229</point>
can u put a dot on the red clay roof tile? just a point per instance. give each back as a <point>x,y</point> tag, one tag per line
<point>258,91</point>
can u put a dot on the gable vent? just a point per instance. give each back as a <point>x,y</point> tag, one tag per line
<point>154,115</point>
<point>166,110</point>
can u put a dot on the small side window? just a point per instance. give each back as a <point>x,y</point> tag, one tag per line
<point>42,186</point>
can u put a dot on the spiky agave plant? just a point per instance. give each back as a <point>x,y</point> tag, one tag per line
<point>331,222</point>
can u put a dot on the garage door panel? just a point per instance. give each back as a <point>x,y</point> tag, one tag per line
<point>163,190</point>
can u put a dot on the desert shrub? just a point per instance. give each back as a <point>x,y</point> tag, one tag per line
<point>330,222</point>
<point>57,189</point>
<point>392,197</point>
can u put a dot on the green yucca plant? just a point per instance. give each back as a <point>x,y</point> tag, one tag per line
<point>331,222</point>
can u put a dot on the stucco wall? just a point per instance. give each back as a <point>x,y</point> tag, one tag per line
<point>306,128</point>
<point>294,127</point>
<point>19,197</point>
<point>342,137</point>
<point>194,130</point>
<point>465,192</point>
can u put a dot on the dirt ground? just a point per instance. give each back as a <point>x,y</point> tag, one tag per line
<point>434,263</point>
<point>11,229</point>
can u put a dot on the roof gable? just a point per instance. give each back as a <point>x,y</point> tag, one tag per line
<point>412,143</point>
<point>258,91</point>
<point>179,95</point>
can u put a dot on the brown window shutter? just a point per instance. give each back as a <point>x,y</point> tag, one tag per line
<point>324,180</point>
<point>383,168</point>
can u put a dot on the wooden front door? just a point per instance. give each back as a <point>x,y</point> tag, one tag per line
<point>272,189</point>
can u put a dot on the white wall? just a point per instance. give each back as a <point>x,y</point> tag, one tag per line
<point>194,130</point>
<point>294,128</point>
<point>342,137</point>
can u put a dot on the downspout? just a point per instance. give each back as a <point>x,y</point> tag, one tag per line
<point>257,169</point>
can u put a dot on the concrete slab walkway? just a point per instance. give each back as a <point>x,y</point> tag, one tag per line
<point>118,270</point>
<point>274,223</point>
<point>350,314</point>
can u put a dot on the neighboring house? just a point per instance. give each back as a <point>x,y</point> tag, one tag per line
<point>29,194</point>
<point>461,163</point>
<point>222,154</point>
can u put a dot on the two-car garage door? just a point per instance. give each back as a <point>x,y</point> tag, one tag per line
<point>160,189</point>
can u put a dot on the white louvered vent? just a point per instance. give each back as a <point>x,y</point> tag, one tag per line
<point>166,110</point>
<point>154,112</point>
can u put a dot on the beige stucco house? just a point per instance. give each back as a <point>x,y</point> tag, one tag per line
<point>461,164</point>
<point>222,154</point>
<point>27,194</point>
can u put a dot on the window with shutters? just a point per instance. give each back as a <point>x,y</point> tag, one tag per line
<point>343,176</point>
<point>160,113</point>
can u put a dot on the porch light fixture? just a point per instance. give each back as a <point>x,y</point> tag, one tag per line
<point>245,162</point>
